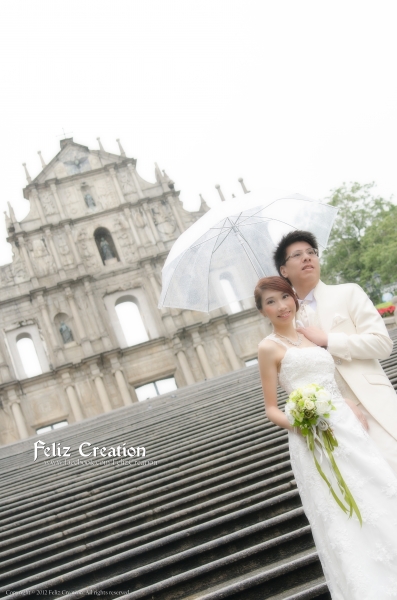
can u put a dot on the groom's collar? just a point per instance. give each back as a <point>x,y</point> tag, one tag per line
<point>309,298</point>
<point>319,289</point>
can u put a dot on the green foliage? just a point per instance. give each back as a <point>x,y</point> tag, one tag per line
<point>379,248</point>
<point>356,240</point>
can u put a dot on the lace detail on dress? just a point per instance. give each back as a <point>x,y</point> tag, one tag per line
<point>358,562</point>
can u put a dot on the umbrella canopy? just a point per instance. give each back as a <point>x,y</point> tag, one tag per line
<point>234,242</point>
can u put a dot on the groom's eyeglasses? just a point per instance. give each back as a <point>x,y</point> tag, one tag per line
<point>299,253</point>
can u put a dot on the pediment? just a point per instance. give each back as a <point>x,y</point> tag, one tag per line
<point>74,159</point>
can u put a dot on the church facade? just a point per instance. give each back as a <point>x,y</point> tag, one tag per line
<point>96,237</point>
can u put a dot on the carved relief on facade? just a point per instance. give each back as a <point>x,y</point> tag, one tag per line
<point>164,220</point>
<point>74,205</point>
<point>48,203</point>
<point>141,223</point>
<point>6,276</point>
<point>83,304</point>
<point>46,408</point>
<point>64,250</point>
<point>87,249</point>
<point>126,182</point>
<point>43,262</point>
<point>75,161</point>
<point>122,233</point>
<point>104,193</point>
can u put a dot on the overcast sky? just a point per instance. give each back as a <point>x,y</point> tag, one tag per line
<point>298,95</point>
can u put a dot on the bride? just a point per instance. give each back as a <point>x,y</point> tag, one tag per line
<point>359,562</point>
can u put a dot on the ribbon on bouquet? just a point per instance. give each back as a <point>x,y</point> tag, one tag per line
<point>320,437</point>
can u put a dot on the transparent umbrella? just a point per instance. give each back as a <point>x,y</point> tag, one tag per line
<point>235,241</point>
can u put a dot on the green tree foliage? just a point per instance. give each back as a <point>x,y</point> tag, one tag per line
<point>379,248</point>
<point>360,210</point>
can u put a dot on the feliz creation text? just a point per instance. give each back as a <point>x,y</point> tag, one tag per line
<point>86,449</point>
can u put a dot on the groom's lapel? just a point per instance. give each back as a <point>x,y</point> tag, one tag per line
<point>325,310</point>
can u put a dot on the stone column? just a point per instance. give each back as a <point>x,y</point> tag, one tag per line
<point>5,373</point>
<point>26,256</point>
<point>75,252</point>
<point>202,355</point>
<point>204,361</point>
<point>54,253</point>
<point>18,415</point>
<point>48,327</point>
<point>85,342</point>
<point>189,377</point>
<point>57,200</point>
<point>34,198</point>
<point>153,281</point>
<point>102,393</point>
<point>74,403</point>
<point>123,388</point>
<point>135,180</point>
<point>165,313</point>
<point>117,185</point>
<point>133,228</point>
<point>232,356</point>
<point>231,353</point>
<point>172,202</point>
<point>184,364</point>
<point>151,222</point>
<point>107,344</point>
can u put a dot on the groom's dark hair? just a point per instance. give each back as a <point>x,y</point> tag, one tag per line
<point>280,254</point>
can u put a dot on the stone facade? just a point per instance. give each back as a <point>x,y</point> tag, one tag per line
<point>98,234</point>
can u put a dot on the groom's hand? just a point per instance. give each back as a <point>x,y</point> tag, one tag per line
<point>315,335</point>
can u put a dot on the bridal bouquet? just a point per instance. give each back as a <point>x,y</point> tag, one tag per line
<point>308,408</point>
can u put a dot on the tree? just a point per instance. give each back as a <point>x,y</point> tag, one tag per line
<point>358,210</point>
<point>379,248</point>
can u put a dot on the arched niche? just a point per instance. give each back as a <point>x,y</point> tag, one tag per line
<point>28,355</point>
<point>131,321</point>
<point>106,246</point>
<point>28,331</point>
<point>137,296</point>
<point>17,334</point>
<point>229,292</point>
<point>64,327</point>
<point>88,196</point>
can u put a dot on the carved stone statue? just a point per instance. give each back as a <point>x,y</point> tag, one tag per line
<point>66,333</point>
<point>106,250</point>
<point>89,200</point>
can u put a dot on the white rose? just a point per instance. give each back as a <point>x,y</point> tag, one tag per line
<point>309,404</point>
<point>309,390</point>
<point>322,407</point>
<point>323,395</point>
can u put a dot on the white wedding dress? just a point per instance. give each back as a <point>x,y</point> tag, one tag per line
<point>359,563</point>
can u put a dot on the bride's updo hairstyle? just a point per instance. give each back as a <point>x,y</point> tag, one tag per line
<point>273,283</point>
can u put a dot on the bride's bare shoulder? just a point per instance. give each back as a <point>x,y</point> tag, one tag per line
<point>268,347</point>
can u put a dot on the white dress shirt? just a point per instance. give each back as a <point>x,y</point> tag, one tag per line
<point>307,308</point>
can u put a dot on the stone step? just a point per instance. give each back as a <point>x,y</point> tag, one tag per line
<point>219,516</point>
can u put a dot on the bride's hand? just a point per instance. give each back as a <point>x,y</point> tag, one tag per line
<point>315,335</point>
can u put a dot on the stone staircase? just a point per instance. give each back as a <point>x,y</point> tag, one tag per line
<point>213,514</point>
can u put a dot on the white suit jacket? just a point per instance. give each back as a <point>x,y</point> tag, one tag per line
<point>357,338</point>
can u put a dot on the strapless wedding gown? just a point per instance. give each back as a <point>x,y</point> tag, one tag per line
<point>359,563</point>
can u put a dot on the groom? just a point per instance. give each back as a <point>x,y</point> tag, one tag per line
<point>343,319</point>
